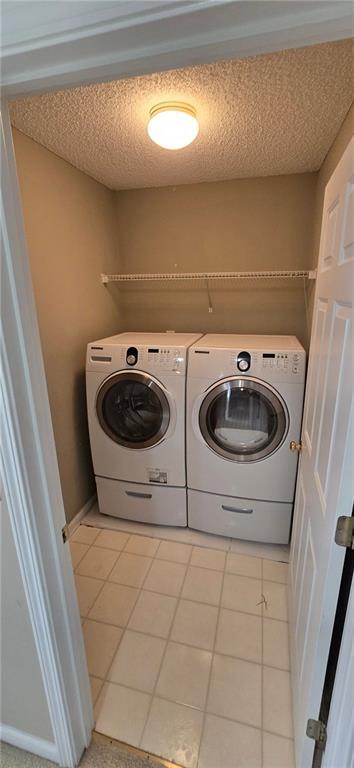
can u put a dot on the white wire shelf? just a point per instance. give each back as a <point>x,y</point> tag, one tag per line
<point>174,276</point>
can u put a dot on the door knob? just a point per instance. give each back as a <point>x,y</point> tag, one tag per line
<point>294,446</point>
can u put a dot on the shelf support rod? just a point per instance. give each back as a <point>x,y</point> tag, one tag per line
<point>210,304</point>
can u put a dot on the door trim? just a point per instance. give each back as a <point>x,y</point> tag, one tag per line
<point>106,45</point>
<point>30,475</point>
<point>33,744</point>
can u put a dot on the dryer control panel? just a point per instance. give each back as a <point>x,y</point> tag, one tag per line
<point>268,363</point>
<point>272,366</point>
<point>282,361</point>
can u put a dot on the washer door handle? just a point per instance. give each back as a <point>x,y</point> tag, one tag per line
<point>137,495</point>
<point>239,510</point>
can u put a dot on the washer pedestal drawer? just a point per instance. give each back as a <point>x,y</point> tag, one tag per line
<point>265,521</point>
<point>157,504</point>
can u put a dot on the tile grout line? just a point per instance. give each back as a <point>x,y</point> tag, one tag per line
<point>185,643</point>
<point>79,574</point>
<point>106,580</point>
<point>176,562</point>
<point>71,539</point>
<point>179,598</point>
<point>167,639</point>
<point>205,713</point>
<point>140,588</point>
<point>150,535</point>
<point>131,613</point>
<point>138,554</point>
<point>197,709</point>
<point>124,629</point>
<point>114,564</point>
<point>110,625</point>
<point>187,599</point>
<point>81,542</point>
<point>106,679</point>
<point>208,545</point>
<point>90,546</point>
<point>95,601</point>
<point>82,556</point>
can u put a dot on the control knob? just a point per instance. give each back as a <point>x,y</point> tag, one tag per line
<point>132,356</point>
<point>244,361</point>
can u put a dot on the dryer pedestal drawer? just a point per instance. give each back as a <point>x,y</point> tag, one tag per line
<point>240,518</point>
<point>160,505</point>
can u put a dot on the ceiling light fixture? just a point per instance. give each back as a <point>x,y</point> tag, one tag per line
<point>173,125</point>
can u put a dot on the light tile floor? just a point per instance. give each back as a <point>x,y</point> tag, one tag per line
<point>187,649</point>
<point>187,536</point>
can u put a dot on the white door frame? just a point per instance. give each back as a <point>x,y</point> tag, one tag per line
<point>167,36</point>
<point>32,487</point>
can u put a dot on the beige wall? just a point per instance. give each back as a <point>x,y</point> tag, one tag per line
<point>22,695</point>
<point>246,224</point>
<point>69,228</point>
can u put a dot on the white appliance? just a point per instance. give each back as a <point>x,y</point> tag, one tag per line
<point>136,386</point>
<point>244,407</point>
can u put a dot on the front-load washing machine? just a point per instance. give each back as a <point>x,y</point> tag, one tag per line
<point>244,409</point>
<point>135,386</point>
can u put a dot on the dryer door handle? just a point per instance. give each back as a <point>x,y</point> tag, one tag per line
<point>137,495</point>
<point>239,510</point>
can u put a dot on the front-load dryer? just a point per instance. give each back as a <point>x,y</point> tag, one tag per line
<point>244,408</point>
<point>135,386</point>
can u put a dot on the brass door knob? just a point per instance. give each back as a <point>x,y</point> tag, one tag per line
<point>294,446</point>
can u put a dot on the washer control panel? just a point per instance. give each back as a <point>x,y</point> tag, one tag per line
<point>166,358</point>
<point>154,358</point>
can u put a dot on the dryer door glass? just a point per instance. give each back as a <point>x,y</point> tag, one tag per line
<point>133,409</point>
<point>243,419</point>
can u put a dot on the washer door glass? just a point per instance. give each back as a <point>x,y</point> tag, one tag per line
<point>133,409</point>
<point>243,419</point>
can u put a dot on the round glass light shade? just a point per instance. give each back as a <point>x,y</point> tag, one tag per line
<point>173,125</point>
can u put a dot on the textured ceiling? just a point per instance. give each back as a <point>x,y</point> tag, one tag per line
<point>266,115</point>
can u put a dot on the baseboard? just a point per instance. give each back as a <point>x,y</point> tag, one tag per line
<point>75,522</point>
<point>46,749</point>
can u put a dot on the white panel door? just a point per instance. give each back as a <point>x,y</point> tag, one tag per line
<point>325,483</point>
